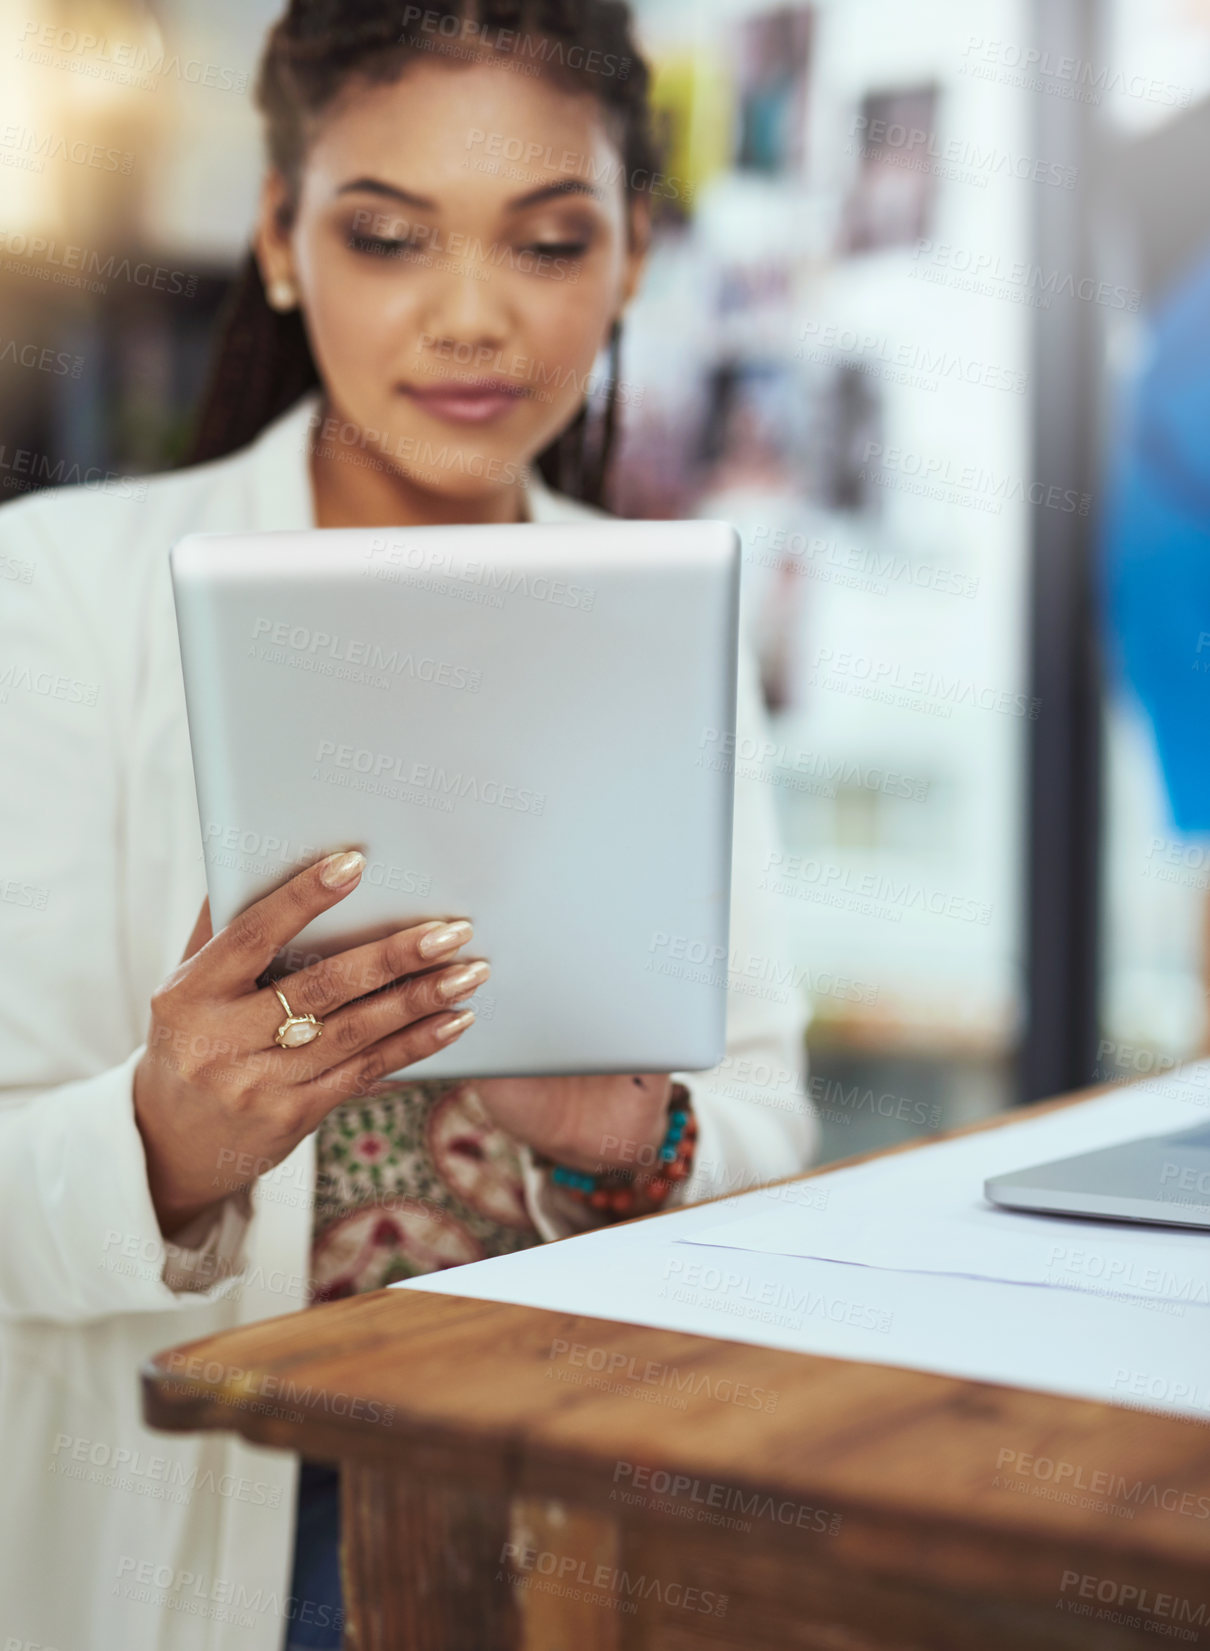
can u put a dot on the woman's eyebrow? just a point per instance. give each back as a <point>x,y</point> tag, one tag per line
<point>375,186</point>
<point>550,191</point>
<point>422,203</point>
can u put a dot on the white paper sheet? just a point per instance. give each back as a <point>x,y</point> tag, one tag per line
<point>1144,1353</point>
<point>924,1211</point>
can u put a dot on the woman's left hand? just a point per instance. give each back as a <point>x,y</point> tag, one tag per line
<point>589,1124</point>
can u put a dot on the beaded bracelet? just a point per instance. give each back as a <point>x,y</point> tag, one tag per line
<point>674,1158</point>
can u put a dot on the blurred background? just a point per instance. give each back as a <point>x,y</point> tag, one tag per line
<point>909,292</point>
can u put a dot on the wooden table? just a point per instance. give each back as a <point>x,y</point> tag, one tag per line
<point>707,1494</point>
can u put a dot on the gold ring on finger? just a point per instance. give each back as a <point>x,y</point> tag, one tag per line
<point>295,1030</point>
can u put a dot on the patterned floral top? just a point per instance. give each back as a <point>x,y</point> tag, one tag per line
<point>409,1182</point>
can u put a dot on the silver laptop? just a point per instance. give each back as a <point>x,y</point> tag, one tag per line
<point>524,725</point>
<point>1161,1179</point>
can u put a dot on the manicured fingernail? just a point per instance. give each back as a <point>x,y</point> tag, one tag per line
<point>451,1029</point>
<point>444,939</point>
<point>462,980</point>
<point>339,869</point>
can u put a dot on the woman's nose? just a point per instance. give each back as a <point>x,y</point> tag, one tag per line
<point>469,307</point>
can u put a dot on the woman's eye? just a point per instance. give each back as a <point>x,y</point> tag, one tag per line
<point>377,247</point>
<point>558,249</point>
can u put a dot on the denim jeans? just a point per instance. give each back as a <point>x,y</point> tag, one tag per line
<point>317,1606</point>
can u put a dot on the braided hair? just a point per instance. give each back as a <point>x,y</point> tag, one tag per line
<point>262,362</point>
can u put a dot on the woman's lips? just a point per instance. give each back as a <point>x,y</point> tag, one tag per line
<point>477,402</point>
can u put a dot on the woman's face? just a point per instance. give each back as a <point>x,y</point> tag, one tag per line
<point>456,299</point>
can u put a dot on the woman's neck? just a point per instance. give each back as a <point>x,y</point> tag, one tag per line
<point>354,487</point>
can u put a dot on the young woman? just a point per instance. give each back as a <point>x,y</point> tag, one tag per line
<point>412,342</point>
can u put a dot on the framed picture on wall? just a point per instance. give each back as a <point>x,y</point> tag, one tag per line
<point>891,201</point>
<point>773,57</point>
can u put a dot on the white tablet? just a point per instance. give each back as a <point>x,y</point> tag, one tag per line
<point>514,724</point>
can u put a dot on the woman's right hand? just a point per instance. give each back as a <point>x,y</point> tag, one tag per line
<point>213,1089</point>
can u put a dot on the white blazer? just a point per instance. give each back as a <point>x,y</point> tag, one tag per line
<point>120,1539</point>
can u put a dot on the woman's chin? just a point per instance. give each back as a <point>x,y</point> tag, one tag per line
<point>479,478</point>
<point>444,462</point>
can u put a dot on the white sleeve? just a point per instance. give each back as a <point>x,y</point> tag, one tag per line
<point>80,1238</point>
<point>754,1122</point>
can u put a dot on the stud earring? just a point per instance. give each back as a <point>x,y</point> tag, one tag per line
<point>282,295</point>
